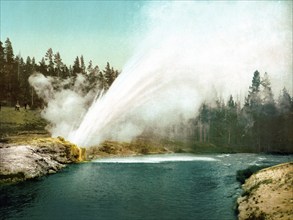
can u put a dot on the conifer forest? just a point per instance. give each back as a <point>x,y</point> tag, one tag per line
<point>262,123</point>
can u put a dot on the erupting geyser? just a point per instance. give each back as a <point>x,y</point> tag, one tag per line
<point>189,52</point>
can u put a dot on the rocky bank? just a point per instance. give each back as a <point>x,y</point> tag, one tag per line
<point>36,158</point>
<point>268,194</point>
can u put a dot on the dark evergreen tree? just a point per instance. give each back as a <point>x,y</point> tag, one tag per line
<point>102,81</point>
<point>90,67</point>
<point>1,55</point>
<point>58,63</point>
<point>8,52</point>
<point>2,73</point>
<point>23,74</point>
<point>33,63</point>
<point>231,120</point>
<point>42,67</point>
<point>267,118</point>
<point>50,64</point>
<point>284,124</point>
<point>203,123</point>
<point>10,73</point>
<point>70,71</point>
<point>253,96</point>
<point>254,110</point>
<point>284,102</point>
<point>82,65</point>
<point>110,75</point>
<point>76,66</point>
<point>93,75</point>
<point>219,129</point>
<point>266,93</point>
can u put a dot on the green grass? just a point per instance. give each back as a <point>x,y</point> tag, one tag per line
<point>13,122</point>
<point>21,122</point>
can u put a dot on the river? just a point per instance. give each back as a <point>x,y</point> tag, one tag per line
<point>173,186</point>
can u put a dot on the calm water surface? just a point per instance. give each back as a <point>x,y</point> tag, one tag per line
<point>173,186</point>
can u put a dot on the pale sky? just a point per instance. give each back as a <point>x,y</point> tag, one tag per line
<point>100,30</point>
<point>236,37</point>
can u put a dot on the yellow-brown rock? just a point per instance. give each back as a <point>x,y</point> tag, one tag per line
<point>37,157</point>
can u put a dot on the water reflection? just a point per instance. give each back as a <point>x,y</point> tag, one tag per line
<point>168,190</point>
<point>15,198</point>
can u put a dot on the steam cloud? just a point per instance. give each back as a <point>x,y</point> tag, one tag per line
<point>65,107</point>
<point>189,52</point>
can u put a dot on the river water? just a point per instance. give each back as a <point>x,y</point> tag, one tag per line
<point>175,186</point>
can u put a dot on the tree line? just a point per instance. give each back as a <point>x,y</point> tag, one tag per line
<point>261,124</point>
<point>15,71</point>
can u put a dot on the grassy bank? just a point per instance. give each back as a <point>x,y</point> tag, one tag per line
<point>16,122</point>
<point>17,126</point>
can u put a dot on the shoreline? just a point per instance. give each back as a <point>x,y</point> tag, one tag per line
<point>36,158</point>
<point>265,193</point>
<point>24,158</point>
<point>268,194</point>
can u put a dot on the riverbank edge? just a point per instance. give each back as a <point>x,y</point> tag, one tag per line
<point>36,158</point>
<point>268,194</point>
<point>24,159</point>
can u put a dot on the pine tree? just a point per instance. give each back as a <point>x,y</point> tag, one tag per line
<point>267,97</point>
<point>58,63</point>
<point>231,121</point>
<point>90,67</point>
<point>1,54</point>
<point>253,97</point>
<point>253,110</point>
<point>70,71</point>
<point>8,52</point>
<point>107,74</point>
<point>23,74</point>
<point>231,104</point>
<point>102,81</point>
<point>10,73</point>
<point>93,74</point>
<point>219,122</point>
<point>33,61</point>
<point>203,123</point>
<point>255,82</point>
<point>284,102</point>
<point>284,124</point>
<point>29,70</point>
<point>110,75</point>
<point>266,93</point>
<point>76,66</point>
<point>16,83</point>
<point>82,65</point>
<point>49,58</point>
<point>2,76</point>
<point>42,67</point>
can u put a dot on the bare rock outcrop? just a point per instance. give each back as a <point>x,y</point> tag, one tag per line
<point>268,194</point>
<point>22,161</point>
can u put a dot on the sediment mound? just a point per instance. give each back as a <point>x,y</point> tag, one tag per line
<point>36,158</point>
<point>268,194</point>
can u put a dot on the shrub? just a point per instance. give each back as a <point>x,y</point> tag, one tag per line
<point>242,175</point>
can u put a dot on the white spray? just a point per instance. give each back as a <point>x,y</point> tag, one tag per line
<point>189,50</point>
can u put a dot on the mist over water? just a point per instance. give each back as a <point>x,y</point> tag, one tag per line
<point>188,52</point>
<point>155,159</point>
